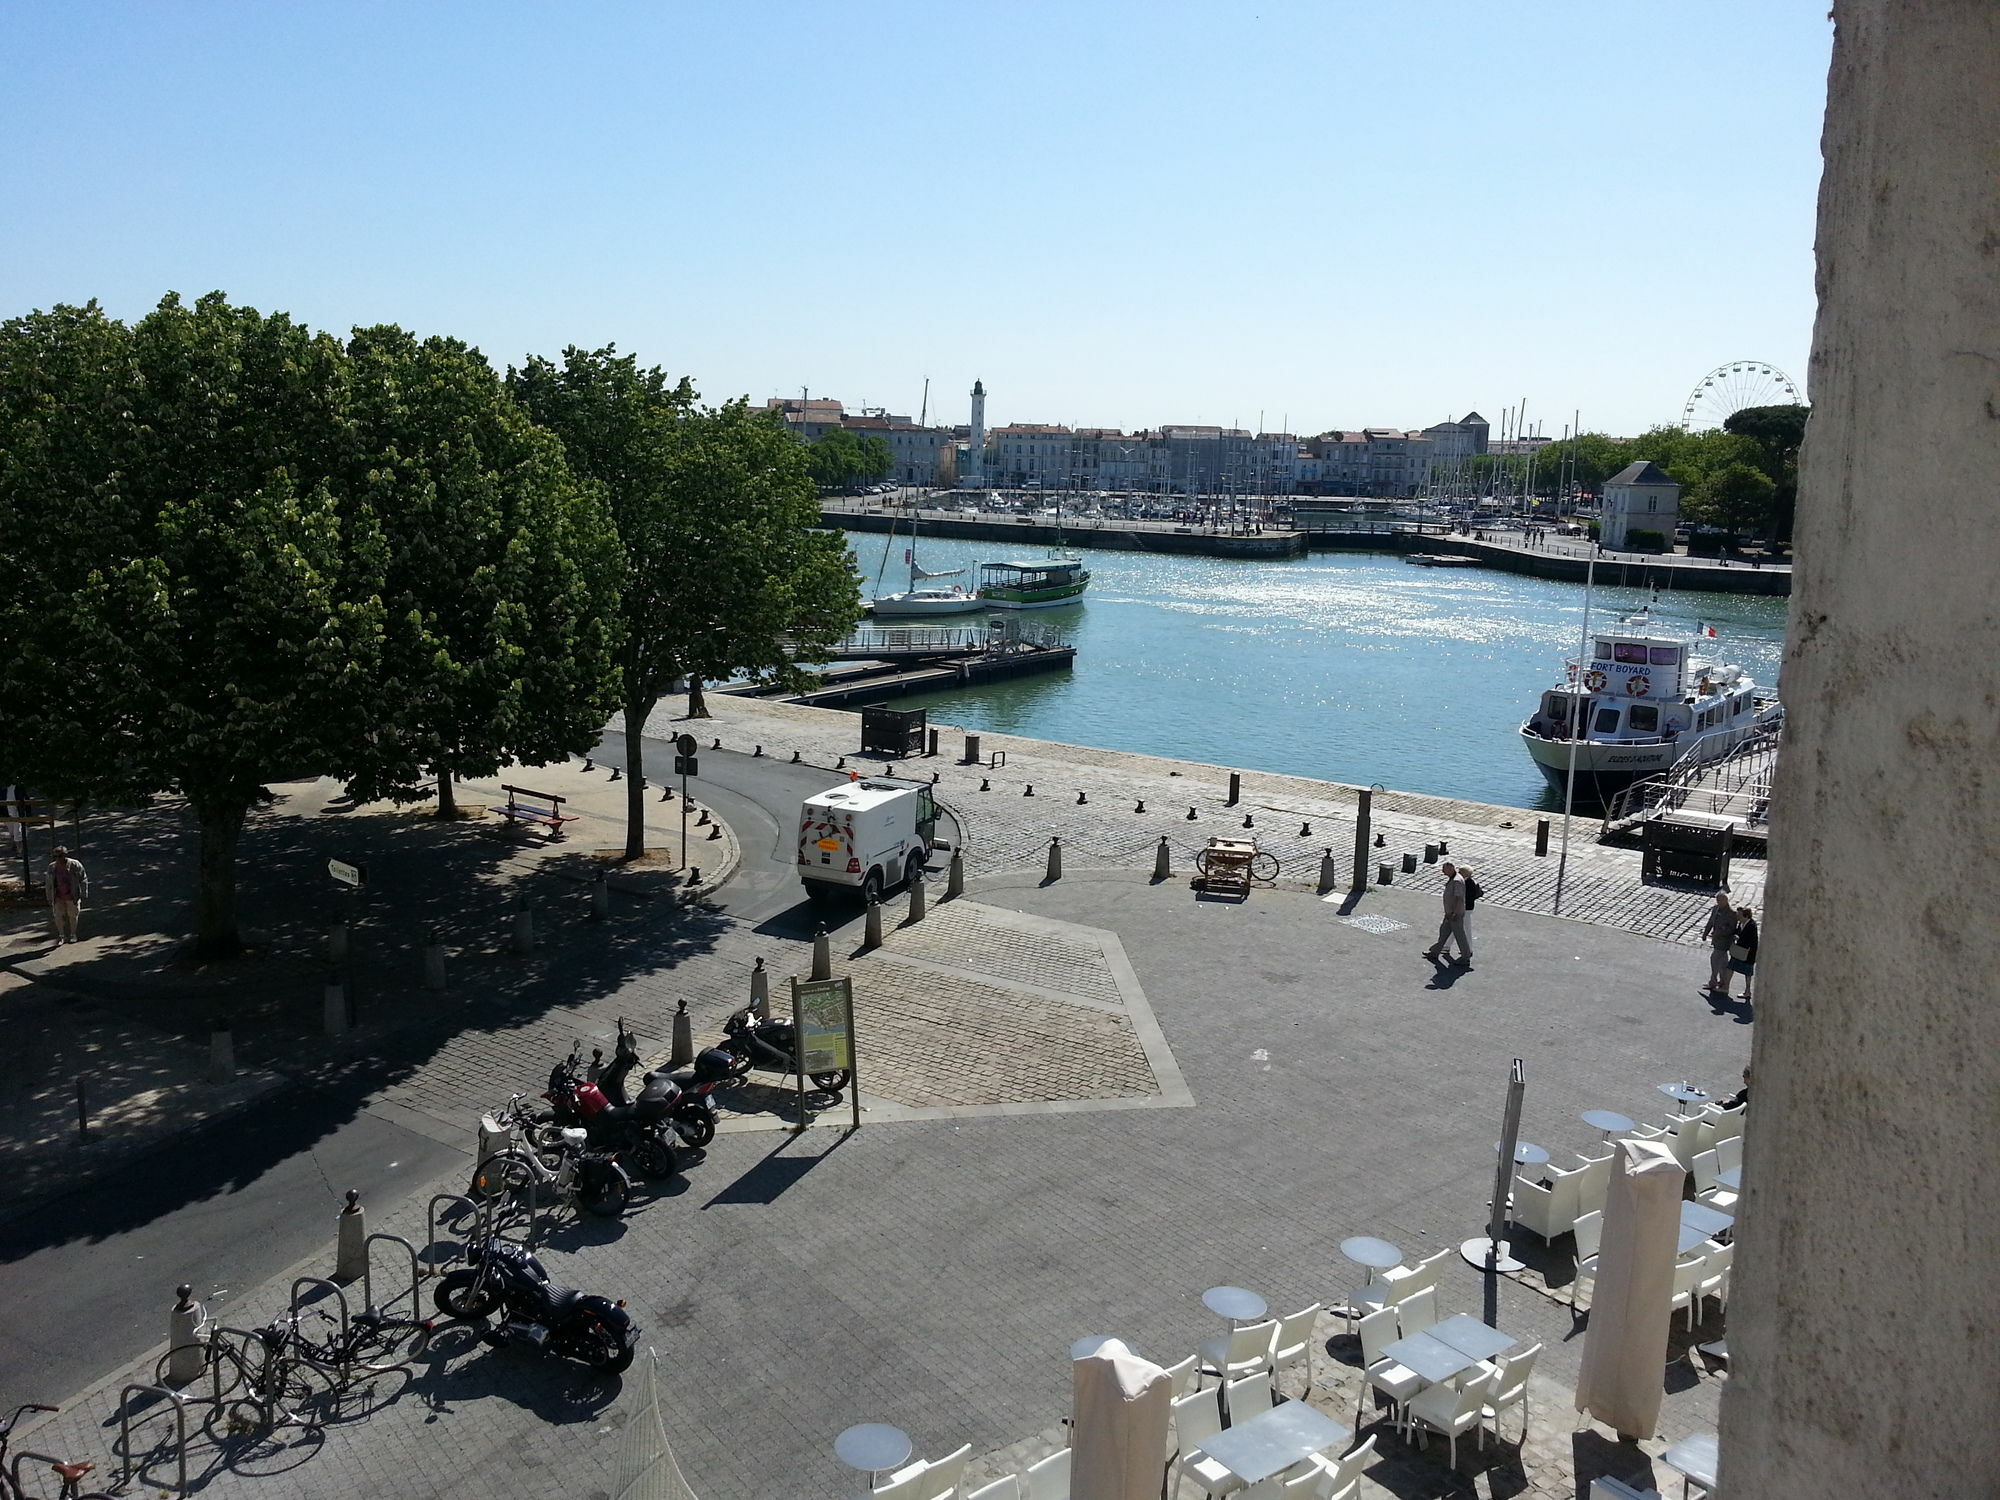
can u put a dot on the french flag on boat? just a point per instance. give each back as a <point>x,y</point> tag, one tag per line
<point>1703,628</point>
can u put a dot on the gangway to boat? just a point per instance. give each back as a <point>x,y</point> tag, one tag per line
<point>1732,792</point>
<point>916,643</point>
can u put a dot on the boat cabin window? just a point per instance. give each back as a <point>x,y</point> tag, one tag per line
<point>1602,651</point>
<point>1666,656</point>
<point>1643,718</point>
<point>1629,651</point>
<point>1607,721</point>
<point>1737,705</point>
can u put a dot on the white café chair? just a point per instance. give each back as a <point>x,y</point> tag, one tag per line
<point>1548,1209</point>
<point>1685,1136</point>
<point>1687,1275</point>
<point>1452,1409</point>
<point>1595,1182</point>
<point>1608,1488</point>
<point>1418,1313</point>
<point>1379,1371</point>
<point>1243,1351</point>
<point>1308,1486</point>
<point>1186,1375</point>
<point>1510,1388</point>
<point>937,1480</point>
<point>1007,1487</point>
<point>1197,1418</point>
<point>1293,1344</point>
<point>1589,1230</point>
<point>1341,1477</point>
<point>1048,1479</point>
<point>1706,1189</point>
<point>1423,1274</point>
<point>1729,1152</point>
<point>1715,1275</point>
<point>907,1483</point>
<point>1726,1124</point>
<point>1246,1396</point>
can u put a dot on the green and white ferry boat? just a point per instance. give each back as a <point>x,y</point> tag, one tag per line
<point>1061,579</point>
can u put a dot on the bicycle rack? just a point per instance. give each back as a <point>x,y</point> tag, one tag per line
<point>126,1467</point>
<point>292,1303</point>
<point>248,1339</point>
<point>368,1301</point>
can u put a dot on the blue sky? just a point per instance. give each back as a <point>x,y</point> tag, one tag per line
<point>1340,213</point>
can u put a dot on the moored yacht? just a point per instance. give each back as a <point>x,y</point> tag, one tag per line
<point>922,597</point>
<point>1641,704</point>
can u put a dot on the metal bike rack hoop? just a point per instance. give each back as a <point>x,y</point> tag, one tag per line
<point>368,1302</point>
<point>126,1467</point>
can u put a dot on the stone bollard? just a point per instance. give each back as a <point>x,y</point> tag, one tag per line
<point>1190,816</point>
<point>350,1256</point>
<point>682,1052</point>
<point>666,793</point>
<point>1139,806</point>
<point>985,783</point>
<point>222,1052</point>
<point>524,926</point>
<point>917,898</point>
<point>822,955</point>
<point>971,750</point>
<point>1409,864</point>
<point>954,880</point>
<point>1235,787</point>
<point>1541,838</point>
<point>338,943</point>
<point>1055,861</point>
<point>757,753</point>
<point>714,831</point>
<point>1384,875</point>
<point>334,1015</point>
<point>872,929</point>
<point>1328,875</point>
<point>188,1361</point>
<point>1163,860</point>
<point>932,743</point>
<point>433,960</point>
<point>600,898</point>
<point>1082,800</point>
<point>760,991</point>
<point>1430,854</point>
<point>1030,791</point>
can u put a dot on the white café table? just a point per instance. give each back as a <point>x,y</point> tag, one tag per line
<point>1449,1348</point>
<point>1695,1458</point>
<point>1710,1221</point>
<point>1274,1440</point>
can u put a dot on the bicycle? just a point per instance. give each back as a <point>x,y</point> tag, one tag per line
<point>267,1366</point>
<point>372,1342</point>
<point>71,1475</point>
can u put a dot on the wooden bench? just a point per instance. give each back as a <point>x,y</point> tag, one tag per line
<point>543,809</point>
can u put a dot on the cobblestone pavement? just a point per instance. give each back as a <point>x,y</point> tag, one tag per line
<point>1006,830</point>
<point>933,1272</point>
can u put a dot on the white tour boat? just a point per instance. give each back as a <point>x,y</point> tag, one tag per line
<point>1640,705</point>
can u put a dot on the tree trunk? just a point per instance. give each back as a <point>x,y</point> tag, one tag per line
<point>697,705</point>
<point>447,801</point>
<point>215,934</point>
<point>635,790</point>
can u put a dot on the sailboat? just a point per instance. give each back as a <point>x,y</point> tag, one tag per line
<point>919,599</point>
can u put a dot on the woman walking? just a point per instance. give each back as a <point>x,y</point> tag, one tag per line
<point>1743,952</point>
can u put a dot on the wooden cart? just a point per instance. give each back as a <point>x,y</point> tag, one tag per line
<point>1228,866</point>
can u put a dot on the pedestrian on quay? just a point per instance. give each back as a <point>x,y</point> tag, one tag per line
<point>1720,930</point>
<point>68,885</point>
<point>1743,951</point>
<point>1453,928</point>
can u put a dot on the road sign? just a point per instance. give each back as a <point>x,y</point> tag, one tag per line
<point>347,874</point>
<point>687,765</point>
<point>685,744</point>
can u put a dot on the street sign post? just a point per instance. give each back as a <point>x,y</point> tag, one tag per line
<point>351,875</point>
<point>686,764</point>
<point>823,1036</point>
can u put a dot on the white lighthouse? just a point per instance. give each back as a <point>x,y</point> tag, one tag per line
<point>975,455</point>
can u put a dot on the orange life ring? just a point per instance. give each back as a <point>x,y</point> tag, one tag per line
<point>1638,685</point>
<point>1593,680</point>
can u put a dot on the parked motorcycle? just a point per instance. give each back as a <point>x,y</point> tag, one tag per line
<point>768,1045</point>
<point>500,1275</point>
<point>682,1103</point>
<point>641,1132</point>
<point>572,1173</point>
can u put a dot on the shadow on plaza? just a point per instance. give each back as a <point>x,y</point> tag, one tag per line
<point>423,875</point>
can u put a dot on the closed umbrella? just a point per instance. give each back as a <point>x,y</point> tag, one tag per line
<point>1121,1407</point>
<point>1625,1353</point>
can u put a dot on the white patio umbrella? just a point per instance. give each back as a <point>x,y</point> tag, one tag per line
<point>1625,1353</point>
<point>1121,1407</point>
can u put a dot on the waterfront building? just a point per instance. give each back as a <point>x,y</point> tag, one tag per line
<point>923,455</point>
<point>1387,462</point>
<point>1455,441</point>
<point>1639,497</point>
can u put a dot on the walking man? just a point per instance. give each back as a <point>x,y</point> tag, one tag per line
<point>1721,934</point>
<point>68,885</point>
<point>1452,928</point>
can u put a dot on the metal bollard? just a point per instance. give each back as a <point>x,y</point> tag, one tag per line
<point>222,1052</point>
<point>187,1360</point>
<point>1139,806</point>
<point>954,880</point>
<point>1082,800</point>
<point>971,750</point>
<point>760,991</point>
<point>1235,787</point>
<point>334,1016</point>
<point>1384,875</point>
<point>1055,861</point>
<point>1030,790</point>
<point>350,1257</point>
<point>682,1052</point>
<point>338,943</point>
<point>433,960</point>
<point>1409,864</point>
<point>600,898</point>
<point>715,830</point>
<point>933,743</point>
<point>1430,854</point>
<point>524,926</point>
<point>872,930</point>
<point>1190,816</point>
<point>822,955</point>
<point>1541,838</point>
<point>1163,860</point>
<point>1364,816</point>
<point>916,897</point>
<point>1328,875</point>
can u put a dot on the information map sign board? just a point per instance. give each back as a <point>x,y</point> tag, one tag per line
<point>823,1033</point>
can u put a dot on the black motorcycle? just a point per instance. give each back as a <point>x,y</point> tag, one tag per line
<point>502,1276</point>
<point>682,1104</point>
<point>768,1045</point>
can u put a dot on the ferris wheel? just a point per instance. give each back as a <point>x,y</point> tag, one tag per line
<point>1730,388</point>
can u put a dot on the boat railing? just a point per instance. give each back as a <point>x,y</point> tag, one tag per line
<point>1734,779</point>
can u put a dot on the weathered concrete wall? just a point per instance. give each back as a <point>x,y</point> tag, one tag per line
<point>1865,1323</point>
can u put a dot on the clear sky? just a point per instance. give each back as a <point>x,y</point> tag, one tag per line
<point>1121,214</point>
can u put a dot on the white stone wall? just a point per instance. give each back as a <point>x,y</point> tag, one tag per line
<point>1864,1331</point>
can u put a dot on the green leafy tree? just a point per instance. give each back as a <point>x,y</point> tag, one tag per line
<point>1777,431</point>
<point>725,569</point>
<point>193,609</point>
<point>876,457</point>
<point>1737,497</point>
<point>502,571</point>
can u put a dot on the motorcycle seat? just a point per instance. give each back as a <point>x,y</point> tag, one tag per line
<point>561,1299</point>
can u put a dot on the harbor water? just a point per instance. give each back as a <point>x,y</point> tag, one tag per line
<point>1353,667</point>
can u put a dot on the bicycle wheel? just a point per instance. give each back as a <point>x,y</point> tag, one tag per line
<point>502,1176</point>
<point>1264,866</point>
<point>214,1354</point>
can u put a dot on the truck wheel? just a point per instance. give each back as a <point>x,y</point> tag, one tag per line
<point>871,888</point>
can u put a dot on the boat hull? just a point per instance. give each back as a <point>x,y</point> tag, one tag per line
<point>1606,767</point>
<point>1032,598</point>
<point>890,606</point>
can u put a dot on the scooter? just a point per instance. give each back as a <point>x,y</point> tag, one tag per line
<point>571,1173</point>
<point>768,1045</point>
<point>663,1096</point>
<point>501,1276</point>
<point>642,1131</point>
